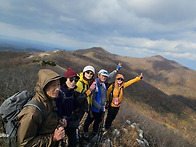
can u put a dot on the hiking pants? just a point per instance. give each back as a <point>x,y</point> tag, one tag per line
<point>97,118</point>
<point>112,112</point>
<point>71,133</point>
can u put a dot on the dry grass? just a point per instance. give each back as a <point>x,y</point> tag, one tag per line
<point>155,131</point>
<point>161,77</point>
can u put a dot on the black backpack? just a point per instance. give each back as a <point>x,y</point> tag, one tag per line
<point>9,110</point>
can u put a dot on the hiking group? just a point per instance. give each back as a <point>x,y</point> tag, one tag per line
<point>66,99</point>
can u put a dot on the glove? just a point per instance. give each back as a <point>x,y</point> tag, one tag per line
<point>92,87</point>
<point>62,122</point>
<point>118,67</point>
<point>103,108</point>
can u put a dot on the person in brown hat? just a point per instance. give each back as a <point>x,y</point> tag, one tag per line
<point>115,96</point>
<point>67,104</point>
<point>31,130</point>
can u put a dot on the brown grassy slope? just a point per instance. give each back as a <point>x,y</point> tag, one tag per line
<point>100,58</point>
<point>167,75</point>
<point>162,107</point>
<point>175,113</point>
<point>150,99</point>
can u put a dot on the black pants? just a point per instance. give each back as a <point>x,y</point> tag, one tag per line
<point>97,118</point>
<point>71,133</point>
<point>112,112</point>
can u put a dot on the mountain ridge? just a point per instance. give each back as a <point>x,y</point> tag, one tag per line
<point>154,95</point>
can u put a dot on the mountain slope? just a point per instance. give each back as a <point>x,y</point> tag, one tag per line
<point>153,93</point>
<point>154,96</point>
<point>167,75</point>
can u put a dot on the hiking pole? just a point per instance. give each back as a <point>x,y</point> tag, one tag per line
<point>101,129</point>
<point>78,136</point>
<point>60,142</point>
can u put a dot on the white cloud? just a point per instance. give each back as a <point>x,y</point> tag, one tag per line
<point>185,55</point>
<point>146,47</point>
<point>39,35</point>
<point>135,27</point>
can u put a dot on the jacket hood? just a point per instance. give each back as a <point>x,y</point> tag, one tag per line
<point>82,79</point>
<point>44,77</point>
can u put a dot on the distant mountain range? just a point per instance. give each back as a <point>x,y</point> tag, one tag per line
<point>5,47</point>
<point>14,44</point>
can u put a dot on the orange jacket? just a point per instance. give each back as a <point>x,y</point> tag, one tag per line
<point>118,91</point>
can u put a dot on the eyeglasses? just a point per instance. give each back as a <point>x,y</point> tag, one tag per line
<point>89,72</point>
<point>120,79</point>
<point>73,79</point>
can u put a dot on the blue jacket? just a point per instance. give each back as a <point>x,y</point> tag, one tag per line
<point>99,96</point>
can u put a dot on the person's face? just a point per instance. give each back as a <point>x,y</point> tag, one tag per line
<point>71,82</point>
<point>102,78</point>
<point>119,80</point>
<point>88,74</point>
<point>52,88</point>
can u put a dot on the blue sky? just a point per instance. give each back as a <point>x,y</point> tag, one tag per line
<point>136,28</point>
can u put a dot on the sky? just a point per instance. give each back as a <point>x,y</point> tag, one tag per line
<point>135,28</point>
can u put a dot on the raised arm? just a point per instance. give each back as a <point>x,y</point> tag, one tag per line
<point>113,73</point>
<point>138,78</point>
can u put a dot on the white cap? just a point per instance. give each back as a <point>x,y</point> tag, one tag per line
<point>103,72</point>
<point>87,68</point>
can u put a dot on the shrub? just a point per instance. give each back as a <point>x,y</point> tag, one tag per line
<point>35,61</point>
<point>43,63</point>
<point>51,63</point>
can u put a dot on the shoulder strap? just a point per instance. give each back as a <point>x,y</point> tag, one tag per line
<point>40,107</point>
<point>97,81</point>
<point>83,84</point>
<point>111,94</point>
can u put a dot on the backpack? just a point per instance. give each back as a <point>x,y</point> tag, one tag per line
<point>9,110</point>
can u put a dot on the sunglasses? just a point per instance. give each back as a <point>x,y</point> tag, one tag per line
<point>89,72</point>
<point>73,79</point>
<point>120,79</point>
